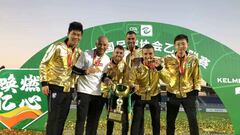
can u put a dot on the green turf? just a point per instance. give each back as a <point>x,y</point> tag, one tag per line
<point>209,123</point>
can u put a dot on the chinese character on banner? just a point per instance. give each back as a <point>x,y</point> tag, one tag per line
<point>168,49</point>
<point>143,42</point>
<point>193,52</point>
<point>8,83</point>
<point>31,102</point>
<point>30,84</point>
<point>110,47</point>
<point>5,104</point>
<point>157,46</point>
<point>122,43</point>
<point>137,42</point>
<point>203,61</point>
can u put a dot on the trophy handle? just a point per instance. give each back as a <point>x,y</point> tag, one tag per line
<point>105,89</point>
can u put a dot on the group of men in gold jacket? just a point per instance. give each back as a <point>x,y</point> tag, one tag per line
<point>139,68</point>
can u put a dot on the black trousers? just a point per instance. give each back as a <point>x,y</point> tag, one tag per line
<point>189,105</point>
<point>112,104</point>
<point>89,109</point>
<point>58,108</point>
<point>141,130</point>
<point>138,114</point>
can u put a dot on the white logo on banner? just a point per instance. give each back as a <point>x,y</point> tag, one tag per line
<point>146,30</point>
<point>135,29</point>
<point>237,91</point>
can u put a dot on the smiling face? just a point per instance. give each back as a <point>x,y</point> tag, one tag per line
<point>181,46</point>
<point>148,54</point>
<point>118,55</point>
<point>74,37</point>
<point>131,41</point>
<point>101,45</point>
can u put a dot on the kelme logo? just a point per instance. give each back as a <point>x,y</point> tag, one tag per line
<point>146,30</point>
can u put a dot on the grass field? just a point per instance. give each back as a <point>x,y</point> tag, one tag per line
<point>209,123</point>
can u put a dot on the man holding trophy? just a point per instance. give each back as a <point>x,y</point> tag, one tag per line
<point>144,78</point>
<point>114,87</point>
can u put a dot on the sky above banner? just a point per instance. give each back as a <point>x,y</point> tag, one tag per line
<point>28,26</point>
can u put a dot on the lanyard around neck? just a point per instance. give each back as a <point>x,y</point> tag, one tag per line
<point>70,55</point>
<point>96,62</point>
<point>181,63</point>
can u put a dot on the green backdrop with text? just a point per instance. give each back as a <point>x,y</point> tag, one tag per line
<point>219,64</point>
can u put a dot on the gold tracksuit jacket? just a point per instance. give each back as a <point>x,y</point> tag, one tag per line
<point>190,80</point>
<point>131,59</point>
<point>118,73</point>
<point>147,79</point>
<point>54,67</point>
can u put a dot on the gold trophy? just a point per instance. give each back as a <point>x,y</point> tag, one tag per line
<point>105,90</point>
<point>120,90</point>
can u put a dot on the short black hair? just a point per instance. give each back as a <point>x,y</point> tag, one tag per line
<point>75,26</point>
<point>180,37</point>
<point>119,47</point>
<point>131,32</point>
<point>148,46</point>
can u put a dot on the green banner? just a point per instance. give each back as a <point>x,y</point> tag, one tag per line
<point>22,104</point>
<point>219,64</point>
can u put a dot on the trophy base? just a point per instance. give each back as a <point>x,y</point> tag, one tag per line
<point>115,116</point>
